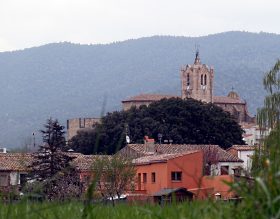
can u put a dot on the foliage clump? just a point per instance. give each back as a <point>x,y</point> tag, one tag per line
<point>262,194</point>
<point>182,121</point>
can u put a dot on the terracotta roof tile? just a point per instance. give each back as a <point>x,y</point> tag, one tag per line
<point>247,135</point>
<point>21,161</point>
<point>85,162</point>
<point>159,158</point>
<point>148,97</point>
<point>139,150</point>
<point>15,161</point>
<point>242,148</point>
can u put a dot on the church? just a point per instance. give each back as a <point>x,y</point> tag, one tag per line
<point>197,81</point>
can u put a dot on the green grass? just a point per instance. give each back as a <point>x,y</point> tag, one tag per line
<point>196,209</point>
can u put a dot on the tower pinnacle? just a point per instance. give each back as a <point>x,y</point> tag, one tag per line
<point>197,59</point>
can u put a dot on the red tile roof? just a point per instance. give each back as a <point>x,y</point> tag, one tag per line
<point>15,161</point>
<point>247,135</point>
<point>139,150</point>
<point>85,162</point>
<point>227,100</point>
<point>21,161</point>
<point>159,158</point>
<point>242,148</point>
<point>147,97</point>
<point>245,125</point>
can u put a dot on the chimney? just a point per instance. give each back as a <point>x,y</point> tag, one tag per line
<point>3,150</point>
<point>149,145</point>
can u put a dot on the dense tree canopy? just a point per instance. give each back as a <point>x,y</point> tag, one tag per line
<point>183,121</point>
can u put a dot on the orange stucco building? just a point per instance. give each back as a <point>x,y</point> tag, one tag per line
<point>168,171</point>
<point>165,168</point>
<point>157,173</point>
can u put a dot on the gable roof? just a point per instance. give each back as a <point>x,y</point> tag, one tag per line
<point>139,150</point>
<point>159,158</point>
<point>15,161</point>
<point>147,97</point>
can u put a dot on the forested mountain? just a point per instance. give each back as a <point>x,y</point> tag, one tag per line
<point>64,80</point>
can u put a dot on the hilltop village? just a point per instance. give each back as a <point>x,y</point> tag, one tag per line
<point>164,171</point>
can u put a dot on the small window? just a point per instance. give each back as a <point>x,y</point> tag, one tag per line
<point>224,170</point>
<point>188,79</point>
<point>205,80</point>
<point>144,177</point>
<point>4,180</point>
<point>176,176</point>
<point>153,177</point>
<point>201,79</point>
<point>82,122</point>
<point>139,181</point>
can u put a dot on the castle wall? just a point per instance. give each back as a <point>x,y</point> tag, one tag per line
<point>77,124</point>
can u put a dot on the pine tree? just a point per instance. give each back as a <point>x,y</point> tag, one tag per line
<point>50,158</point>
<point>51,166</point>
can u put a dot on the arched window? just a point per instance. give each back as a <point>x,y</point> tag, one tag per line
<point>205,80</point>
<point>201,80</point>
<point>188,79</point>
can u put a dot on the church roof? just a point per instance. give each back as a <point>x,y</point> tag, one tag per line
<point>148,97</point>
<point>226,99</point>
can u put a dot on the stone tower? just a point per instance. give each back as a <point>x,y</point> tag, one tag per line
<point>197,81</point>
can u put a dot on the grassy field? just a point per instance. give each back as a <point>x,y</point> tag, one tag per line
<point>76,210</point>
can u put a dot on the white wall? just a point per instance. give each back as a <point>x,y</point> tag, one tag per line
<point>246,156</point>
<point>216,169</point>
<point>14,178</point>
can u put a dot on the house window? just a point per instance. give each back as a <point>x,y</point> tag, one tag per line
<point>144,177</point>
<point>224,170</point>
<point>176,176</point>
<point>3,180</point>
<point>139,181</point>
<point>22,179</point>
<point>153,177</point>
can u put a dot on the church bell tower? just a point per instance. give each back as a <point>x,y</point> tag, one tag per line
<point>197,81</point>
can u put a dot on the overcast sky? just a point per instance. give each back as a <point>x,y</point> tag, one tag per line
<point>28,23</point>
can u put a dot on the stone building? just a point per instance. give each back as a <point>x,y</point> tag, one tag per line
<point>235,106</point>
<point>197,82</point>
<point>143,99</point>
<point>78,124</point>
